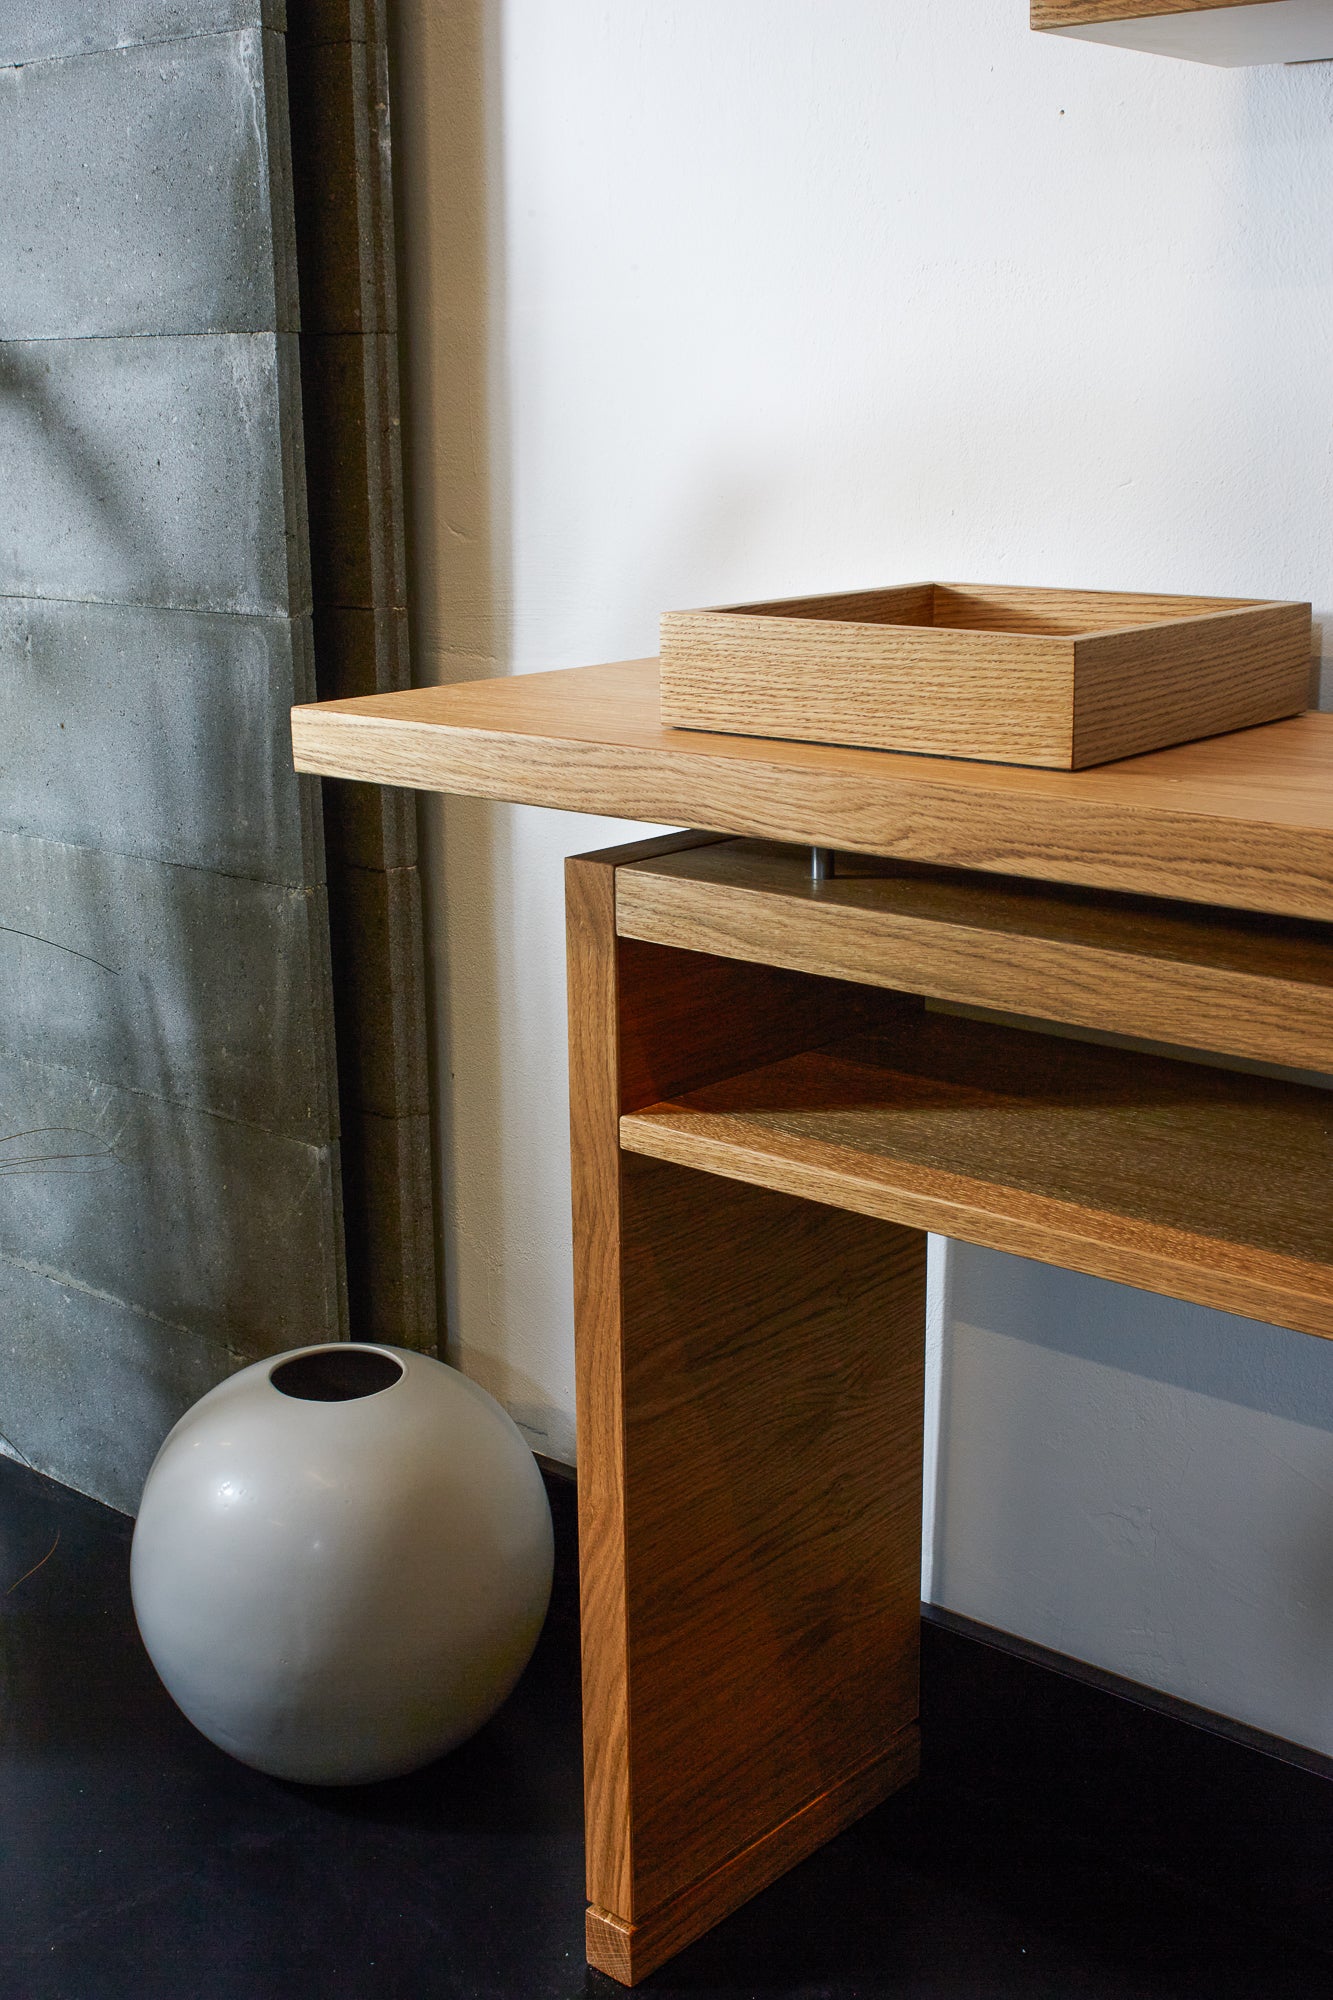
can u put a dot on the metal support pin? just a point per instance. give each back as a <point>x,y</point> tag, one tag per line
<point>822,861</point>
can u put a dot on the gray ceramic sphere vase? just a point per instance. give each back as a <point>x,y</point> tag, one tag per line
<point>342,1562</point>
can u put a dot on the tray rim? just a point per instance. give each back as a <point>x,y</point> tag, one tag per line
<point>782,608</point>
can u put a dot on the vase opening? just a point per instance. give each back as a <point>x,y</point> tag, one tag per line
<point>336,1374</point>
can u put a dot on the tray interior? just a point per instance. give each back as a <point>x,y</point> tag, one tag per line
<point>963,607</point>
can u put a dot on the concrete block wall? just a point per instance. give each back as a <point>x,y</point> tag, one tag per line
<point>342,176</point>
<point>169,1175</point>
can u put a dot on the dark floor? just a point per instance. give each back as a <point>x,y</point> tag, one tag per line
<point>140,1862</point>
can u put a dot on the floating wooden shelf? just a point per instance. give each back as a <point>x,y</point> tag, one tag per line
<point>1211,1186</point>
<point>1245,820</point>
<point>1231,33</point>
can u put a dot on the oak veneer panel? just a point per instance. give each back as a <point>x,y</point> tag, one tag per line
<point>629,1952</point>
<point>750,1374</point>
<point>595,1103</point>
<point>1060,678</point>
<point>1256,987</point>
<point>1191,1181</point>
<point>1143,688</point>
<point>774,1383</point>
<point>1230,33</point>
<point>1244,820</point>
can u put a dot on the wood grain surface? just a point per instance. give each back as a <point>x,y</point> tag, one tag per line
<point>1237,985</point>
<point>750,1378</point>
<point>1078,13</point>
<point>1064,679</point>
<point>1192,1181</point>
<point>991,607</point>
<point>629,1952</point>
<point>1244,820</point>
<point>1006,697</point>
<point>1147,687</point>
<point>595,1104</point>
<point>773,1394</point>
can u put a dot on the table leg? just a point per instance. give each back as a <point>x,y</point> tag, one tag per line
<point>750,1408</point>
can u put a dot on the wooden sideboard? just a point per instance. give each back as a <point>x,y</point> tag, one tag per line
<point>778,1085</point>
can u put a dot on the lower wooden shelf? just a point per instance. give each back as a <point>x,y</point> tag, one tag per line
<point>1203,1184</point>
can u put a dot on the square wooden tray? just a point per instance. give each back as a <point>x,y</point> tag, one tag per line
<point>1060,678</point>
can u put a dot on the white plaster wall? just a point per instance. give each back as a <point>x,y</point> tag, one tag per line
<point>714,299</point>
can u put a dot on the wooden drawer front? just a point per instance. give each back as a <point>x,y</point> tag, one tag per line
<point>1222,981</point>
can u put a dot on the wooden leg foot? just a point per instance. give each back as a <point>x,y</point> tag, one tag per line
<point>628,1952</point>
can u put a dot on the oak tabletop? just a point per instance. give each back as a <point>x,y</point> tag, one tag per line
<point>1243,820</point>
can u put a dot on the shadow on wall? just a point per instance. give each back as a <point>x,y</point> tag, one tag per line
<point>78,466</point>
<point>492,873</point>
<point>1321,689</point>
<point>448,116</point>
<point>1240,1361</point>
<point>1192,1453</point>
<point>449,222</point>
